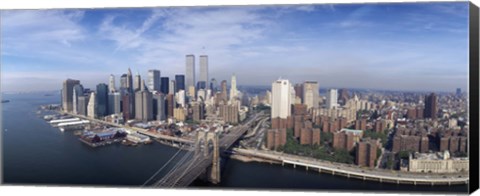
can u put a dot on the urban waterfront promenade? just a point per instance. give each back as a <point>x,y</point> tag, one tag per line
<point>352,171</point>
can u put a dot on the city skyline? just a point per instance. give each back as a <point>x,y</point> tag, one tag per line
<point>426,45</point>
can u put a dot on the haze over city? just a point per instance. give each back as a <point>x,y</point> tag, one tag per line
<point>382,46</point>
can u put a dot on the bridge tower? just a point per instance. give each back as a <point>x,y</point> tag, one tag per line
<point>206,143</point>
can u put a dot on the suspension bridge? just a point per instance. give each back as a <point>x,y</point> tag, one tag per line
<point>201,158</point>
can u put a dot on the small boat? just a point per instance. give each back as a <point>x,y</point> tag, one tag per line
<point>5,100</point>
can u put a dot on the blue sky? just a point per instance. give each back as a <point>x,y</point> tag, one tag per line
<point>408,46</point>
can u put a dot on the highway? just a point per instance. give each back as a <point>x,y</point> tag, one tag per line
<point>192,167</point>
<point>354,171</point>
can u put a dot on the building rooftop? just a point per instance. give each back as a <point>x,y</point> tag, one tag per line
<point>354,131</point>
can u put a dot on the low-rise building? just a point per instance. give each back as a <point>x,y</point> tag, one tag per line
<point>437,163</point>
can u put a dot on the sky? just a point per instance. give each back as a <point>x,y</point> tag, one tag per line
<point>406,46</point>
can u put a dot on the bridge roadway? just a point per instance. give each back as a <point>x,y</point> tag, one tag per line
<point>138,129</point>
<point>353,171</point>
<point>190,170</point>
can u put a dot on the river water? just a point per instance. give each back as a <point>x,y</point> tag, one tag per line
<point>36,153</point>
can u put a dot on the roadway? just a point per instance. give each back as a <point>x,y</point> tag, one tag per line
<point>192,168</point>
<point>356,171</point>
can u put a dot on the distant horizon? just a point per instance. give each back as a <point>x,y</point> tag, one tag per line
<point>402,47</point>
<point>269,86</point>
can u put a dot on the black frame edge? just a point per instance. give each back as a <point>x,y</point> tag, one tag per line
<point>474,97</point>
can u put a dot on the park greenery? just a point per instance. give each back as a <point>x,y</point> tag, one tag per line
<point>383,136</point>
<point>322,151</point>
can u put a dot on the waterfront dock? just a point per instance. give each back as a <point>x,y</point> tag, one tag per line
<point>156,136</point>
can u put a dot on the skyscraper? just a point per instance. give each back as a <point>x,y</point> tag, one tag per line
<point>171,87</point>
<point>431,106</point>
<point>127,106</point>
<point>114,103</point>
<point>299,91</point>
<point>111,83</point>
<point>143,105</point>
<point>159,110</point>
<point>131,93</point>
<point>190,71</point>
<point>332,98</point>
<point>459,92</point>
<point>137,82</point>
<point>67,94</point>
<point>343,96</point>
<point>124,81</point>
<point>77,92</point>
<point>82,105</point>
<point>213,86</point>
<point>129,81</point>
<point>153,80</point>
<point>92,106</point>
<point>179,82</point>
<point>233,88</point>
<point>164,85</point>
<point>281,95</point>
<point>102,100</point>
<point>180,98</point>
<point>310,94</point>
<point>224,90</point>
<point>203,71</point>
<point>169,105</point>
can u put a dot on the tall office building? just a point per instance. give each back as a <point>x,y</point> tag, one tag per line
<point>171,87</point>
<point>229,113</point>
<point>190,71</point>
<point>332,98</point>
<point>459,92</point>
<point>164,81</point>
<point>431,106</point>
<point>310,94</point>
<point>114,103</point>
<point>111,83</point>
<point>179,82</point>
<point>159,110</point>
<point>129,80</point>
<point>77,92</point>
<point>82,105</point>
<point>67,94</point>
<point>137,83</point>
<point>124,81</point>
<point>281,99</point>
<point>299,92</point>
<point>153,83</point>
<point>213,86</point>
<point>224,90</point>
<point>343,96</point>
<point>198,111</point>
<point>203,71</point>
<point>233,88</point>
<point>131,99</point>
<point>201,95</point>
<point>127,106</point>
<point>92,106</point>
<point>180,98</point>
<point>102,100</point>
<point>143,105</point>
<point>169,105</point>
